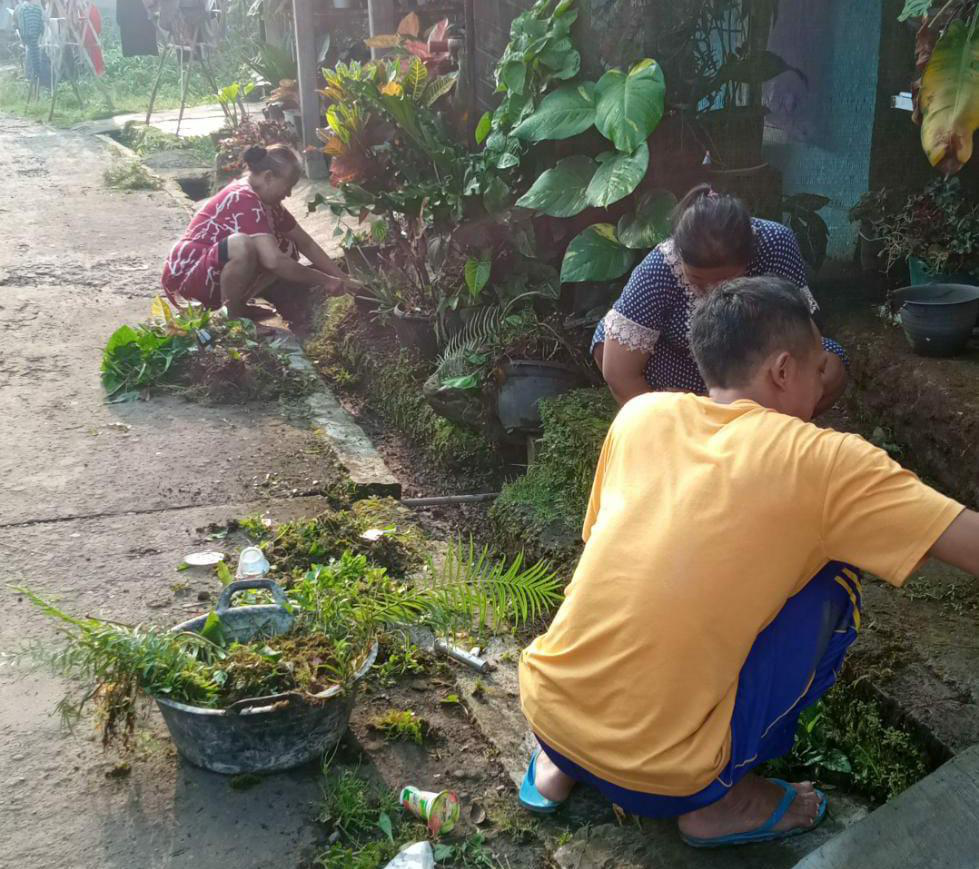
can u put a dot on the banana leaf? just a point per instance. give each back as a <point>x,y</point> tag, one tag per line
<point>949,98</point>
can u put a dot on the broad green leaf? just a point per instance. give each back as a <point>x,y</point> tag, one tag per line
<point>563,113</point>
<point>224,574</point>
<point>836,761</point>
<point>914,9</point>
<point>213,630</point>
<point>483,128</point>
<point>595,255</point>
<point>507,160</point>
<point>618,177</point>
<point>513,74</point>
<point>629,107</point>
<point>477,274</point>
<point>561,191</point>
<point>650,223</point>
<point>562,8</point>
<point>949,99</point>
<point>470,381</point>
<point>122,336</point>
<point>754,68</point>
<point>562,59</point>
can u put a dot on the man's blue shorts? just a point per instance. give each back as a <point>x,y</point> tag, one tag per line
<point>793,662</point>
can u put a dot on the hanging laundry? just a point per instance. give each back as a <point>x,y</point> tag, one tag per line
<point>89,24</point>
<point>137,31</point>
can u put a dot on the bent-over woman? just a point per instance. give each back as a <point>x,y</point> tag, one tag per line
<point>643,345</point>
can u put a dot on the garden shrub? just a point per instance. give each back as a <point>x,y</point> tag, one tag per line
<point>391,378</point>
<point>542,512</point>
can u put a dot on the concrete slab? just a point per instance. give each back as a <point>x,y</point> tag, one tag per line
<point>197,121</point>
<point>932,825</point>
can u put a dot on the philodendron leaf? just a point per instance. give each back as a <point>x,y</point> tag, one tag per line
<point>595,255</point>
<point>483,128</point>
<point>563,113</point>
<point>650,224</point>
<point>562,191</point>
<point>618,177</point>
<point>949,98</point>
<point>630,106</point>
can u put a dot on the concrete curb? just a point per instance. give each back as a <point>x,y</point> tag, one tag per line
<point>362,463</point>
<point>169,186</point>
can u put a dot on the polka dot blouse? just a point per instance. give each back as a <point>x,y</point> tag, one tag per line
<point>653,312</point>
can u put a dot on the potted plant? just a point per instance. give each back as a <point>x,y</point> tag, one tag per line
<point>936,231</point>
<point>869,213</point>
<point>264,687</point>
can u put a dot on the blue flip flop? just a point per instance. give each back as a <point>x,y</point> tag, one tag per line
<point>765,833</point>
<point>531,798</point>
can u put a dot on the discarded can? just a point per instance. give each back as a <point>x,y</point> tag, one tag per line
<point>439,810</point>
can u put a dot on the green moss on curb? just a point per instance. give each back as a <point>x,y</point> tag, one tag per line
<point>350,357</point>
<point>542,512</point>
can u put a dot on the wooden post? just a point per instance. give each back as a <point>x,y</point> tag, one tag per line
<point>382,20</point>
<point>307,77</point>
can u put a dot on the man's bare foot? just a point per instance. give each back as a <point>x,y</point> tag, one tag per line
<point>748,805</point>
<point>550,781</point>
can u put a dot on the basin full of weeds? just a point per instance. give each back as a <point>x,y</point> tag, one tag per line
<point>260,734</point>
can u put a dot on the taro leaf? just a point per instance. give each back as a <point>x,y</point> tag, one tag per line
<point>650,224</point>
<point>949,99</point>
<point>618,177</point>
<point>477,274</point>
<point>513,74</point>
<point>595,255</point>
<point>213,630</point>
<point>563,113</point>
<point>483,128</point>
<point>384,824</point>
<point>914,9</point>
<point>561,191</point>
<point>630,106</point>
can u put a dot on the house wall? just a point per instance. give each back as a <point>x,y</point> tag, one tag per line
<point>819,132</point>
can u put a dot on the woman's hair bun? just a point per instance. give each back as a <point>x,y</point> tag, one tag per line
<point>254,156</point>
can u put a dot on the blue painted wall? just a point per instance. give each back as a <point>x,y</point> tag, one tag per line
<point>819,133</point>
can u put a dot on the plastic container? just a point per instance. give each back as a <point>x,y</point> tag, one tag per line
<point>252,563</point>
<point>439,810</point>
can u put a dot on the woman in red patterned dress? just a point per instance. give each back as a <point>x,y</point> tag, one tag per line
<point>243,241</point>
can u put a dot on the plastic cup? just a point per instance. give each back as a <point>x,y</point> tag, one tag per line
<point>440,810</point>
<point>252,563</point>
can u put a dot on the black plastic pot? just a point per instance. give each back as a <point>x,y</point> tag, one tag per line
<point>937,318</point>
<point>870,253</point>
<point>524,384</point>
<point>416,331</point>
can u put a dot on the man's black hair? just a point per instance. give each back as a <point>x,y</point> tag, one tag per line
<point>744,321</point>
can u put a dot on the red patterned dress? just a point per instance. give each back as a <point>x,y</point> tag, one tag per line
<point>193,268</point>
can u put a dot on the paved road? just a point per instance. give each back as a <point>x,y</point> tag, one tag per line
<point>98,505</point>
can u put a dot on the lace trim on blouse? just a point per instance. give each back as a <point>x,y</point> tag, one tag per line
<point>630,334</point>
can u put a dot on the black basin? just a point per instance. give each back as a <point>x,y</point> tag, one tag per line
<point>937,318</point>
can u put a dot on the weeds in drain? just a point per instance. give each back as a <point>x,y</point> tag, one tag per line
<point>844,740</point>
<point>401,725</point>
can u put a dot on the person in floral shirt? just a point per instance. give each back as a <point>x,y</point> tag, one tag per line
<point>244,241</point>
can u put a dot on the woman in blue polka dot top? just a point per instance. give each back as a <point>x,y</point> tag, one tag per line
<point>642,344</point>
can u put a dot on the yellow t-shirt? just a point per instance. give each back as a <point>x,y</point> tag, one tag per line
<point>704,519</point>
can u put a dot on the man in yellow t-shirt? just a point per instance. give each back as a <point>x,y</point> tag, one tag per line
<point>714,599</point>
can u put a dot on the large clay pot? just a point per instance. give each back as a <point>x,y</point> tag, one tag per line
<point>937,318</point>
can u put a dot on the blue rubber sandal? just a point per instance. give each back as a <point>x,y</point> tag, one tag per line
<point>531,798</point>
<point>765,833</point>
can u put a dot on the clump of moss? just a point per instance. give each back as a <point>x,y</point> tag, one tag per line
<point>350,357</point>
<point>845,740</point>
<point>401,725</point>
<point>542,511</point>
<point>377,528</point>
